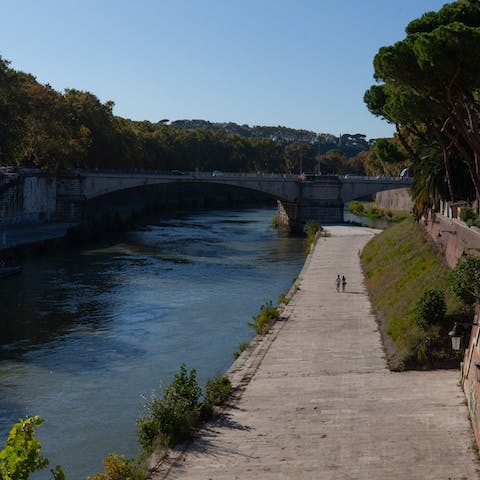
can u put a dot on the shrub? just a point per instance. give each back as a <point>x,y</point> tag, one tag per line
<point>465,279</point>
<point>217,391</point>
<point>118,468</point>
<point>374,212</point>
<point>21,455</point>
<point>467,214</point>
<point>170,420</point>
<point>356,208</point>
<point>430,308</point>
<point>311,228</point>
<point>262,322</point>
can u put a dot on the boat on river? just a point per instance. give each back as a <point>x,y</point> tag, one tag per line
<point>9,271</point>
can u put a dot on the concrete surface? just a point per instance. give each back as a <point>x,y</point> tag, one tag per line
<point>315,400</point>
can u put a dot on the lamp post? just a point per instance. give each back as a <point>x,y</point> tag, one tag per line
<point>455,336</point>
<point>456,333</point>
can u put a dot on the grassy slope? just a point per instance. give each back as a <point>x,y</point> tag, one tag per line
<point>399,265</point>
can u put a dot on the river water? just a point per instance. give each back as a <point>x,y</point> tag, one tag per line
<point>85,336</point>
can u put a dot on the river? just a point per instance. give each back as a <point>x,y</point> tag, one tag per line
<point>87,335</point>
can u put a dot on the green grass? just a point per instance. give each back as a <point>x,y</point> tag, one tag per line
<point>399,265</point>
<point>370,210</point>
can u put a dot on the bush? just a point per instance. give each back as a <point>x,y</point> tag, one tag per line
<point>467,214</point>
<point>21,455</point>
<point>170,420</point>
<point>118,468</point>
<point>262,322</point>
<point>430,308</point>
<point>311,228</point>
<point>356,208</point>
<point>465,279</point>
<point>217,391</point>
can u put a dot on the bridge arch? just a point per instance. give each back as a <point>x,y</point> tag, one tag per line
<point>319,198</point>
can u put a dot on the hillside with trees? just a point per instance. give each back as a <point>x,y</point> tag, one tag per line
<point>42,127</point>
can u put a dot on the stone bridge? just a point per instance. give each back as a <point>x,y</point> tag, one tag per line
<point>299,198</point>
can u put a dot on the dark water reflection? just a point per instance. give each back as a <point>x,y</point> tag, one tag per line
<point>84,335</point>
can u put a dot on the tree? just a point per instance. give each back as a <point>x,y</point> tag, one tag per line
<point>21,455</point>
<point>465,279</point>
<point>299,157</point>
<point>12,113</point>
<point>431,81</point>
<point>333,162</point>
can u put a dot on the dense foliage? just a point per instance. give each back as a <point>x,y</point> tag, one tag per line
<point>45,128</point>
<point>21,455</point>
<point>117,467</point>
<point>430,85</point>
<point>465,279</point>
<point>171,419</point>
<point>430,308</point>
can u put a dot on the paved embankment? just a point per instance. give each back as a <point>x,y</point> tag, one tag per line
<point>317,402</point>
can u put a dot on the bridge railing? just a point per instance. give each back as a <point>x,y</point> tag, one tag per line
<point>376,179</point>
<point>186,174</point>
<point>218,175</point>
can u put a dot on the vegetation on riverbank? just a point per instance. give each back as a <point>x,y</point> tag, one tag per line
<point>170,419</point>
<point>21,455</point>
<point>370,210</point>
<point>402,269</point>
<point>264,320</point>
<point>167,421</point>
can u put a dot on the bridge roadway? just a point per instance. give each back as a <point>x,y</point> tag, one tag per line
<point>316,401</point>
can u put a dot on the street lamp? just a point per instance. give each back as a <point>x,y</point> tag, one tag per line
<point>455,336</point>
<point>456,333</point>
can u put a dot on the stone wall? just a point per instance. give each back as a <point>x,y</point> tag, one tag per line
<point>28,199</point>
<point>399,199</point>
<point>452,236</point>
<point>470,377</point>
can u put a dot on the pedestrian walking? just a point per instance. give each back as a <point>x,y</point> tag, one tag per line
<point>338,281</point>
<point>344,283</point>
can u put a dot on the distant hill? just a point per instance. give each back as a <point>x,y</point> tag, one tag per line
<point>348,144</point>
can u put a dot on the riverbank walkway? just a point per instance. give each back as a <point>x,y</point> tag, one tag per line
<point>316,401</point>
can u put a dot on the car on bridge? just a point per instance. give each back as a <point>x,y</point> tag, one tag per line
<point>217,173</point>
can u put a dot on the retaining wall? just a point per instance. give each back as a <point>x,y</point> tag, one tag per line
<point>470,376</point>
<point>28,199</point>
<point>399,199</point>
<point>452,236</point>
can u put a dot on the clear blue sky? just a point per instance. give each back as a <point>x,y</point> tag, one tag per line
<point>298,63</point>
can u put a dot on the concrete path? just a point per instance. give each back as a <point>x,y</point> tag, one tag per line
<point>316,401</point>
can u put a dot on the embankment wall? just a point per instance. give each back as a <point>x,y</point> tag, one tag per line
<point>452,236</point>
<point>399,199</point>
<point>470,369</point>
<point>28,199</point>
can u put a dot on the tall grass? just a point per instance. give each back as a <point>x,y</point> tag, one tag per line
<point>400,265</point>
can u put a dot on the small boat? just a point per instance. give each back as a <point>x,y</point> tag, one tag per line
<point>9,271</point>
